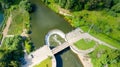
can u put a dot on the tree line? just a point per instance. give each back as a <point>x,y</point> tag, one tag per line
<point>75,5</point>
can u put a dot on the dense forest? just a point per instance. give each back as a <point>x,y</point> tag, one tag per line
<point>11,51</point>
<point>75,5</point>
<point>5,4</point>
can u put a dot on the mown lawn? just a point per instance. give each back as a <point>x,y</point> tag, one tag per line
<point>46,63</point>
<point>85,44</point>
<point>19,18</point>
<point>103,37</point>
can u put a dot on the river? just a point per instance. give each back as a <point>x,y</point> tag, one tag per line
<point>43,20</point>
<point>1,17</point>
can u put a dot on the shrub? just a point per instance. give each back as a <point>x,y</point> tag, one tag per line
<point>116,8</point>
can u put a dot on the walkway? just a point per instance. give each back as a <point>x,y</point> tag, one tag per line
<point>78,34</point>
<point>5,31</point>
<point>38,56</point>
<point>60,47</point>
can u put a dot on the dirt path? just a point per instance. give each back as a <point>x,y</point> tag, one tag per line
<point>5,31</point>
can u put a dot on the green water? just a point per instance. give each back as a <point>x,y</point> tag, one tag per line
<point>43,20</point>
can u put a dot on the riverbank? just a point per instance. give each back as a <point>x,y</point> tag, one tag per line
<point>84,58</point>
<point>5,31</point>
<point>93,22</point>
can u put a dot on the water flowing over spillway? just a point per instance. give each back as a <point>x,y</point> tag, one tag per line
<point>55,31</point>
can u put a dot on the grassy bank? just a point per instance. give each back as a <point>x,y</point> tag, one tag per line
<point>85,44</point>
<point>46,63</point>
<point>3,24</point>
<point>19,18</point>
<point>105,57</point>
<point>105,26</point>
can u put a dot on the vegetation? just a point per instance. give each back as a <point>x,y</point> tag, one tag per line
<point>105,57</point>
<point>75,5</point>
<point>6,4</point>
<point>102,23</point>
<point>20,19</point>
<point>11,51</point>
<point>101,16</point>
<point>46,63</point>
<point>29,45</point>
<point>53,42</point>
<point>84,44</point>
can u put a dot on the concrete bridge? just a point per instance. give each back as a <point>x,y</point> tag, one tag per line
<point>60,47</point>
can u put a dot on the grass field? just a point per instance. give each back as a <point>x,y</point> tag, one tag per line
<point>103,37</point>
<point>19,18</point>
<point>84,44</point>
<point>46,63</point>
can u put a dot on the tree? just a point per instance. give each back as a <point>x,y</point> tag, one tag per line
<point>29,45</point>
<point>62,3</point>
<point>116,8</point>
<point>11,52</point>
<point>14,64</point>
<point>69,4</point>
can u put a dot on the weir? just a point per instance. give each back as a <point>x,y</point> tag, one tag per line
<point>61,46</point>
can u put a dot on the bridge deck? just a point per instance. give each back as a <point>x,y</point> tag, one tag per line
<point>60,47</point>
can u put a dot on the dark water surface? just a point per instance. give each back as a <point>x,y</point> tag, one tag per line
<point>1,17</point>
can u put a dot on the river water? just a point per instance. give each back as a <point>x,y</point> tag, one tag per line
<point>43,20</point>
<point>1,17</point>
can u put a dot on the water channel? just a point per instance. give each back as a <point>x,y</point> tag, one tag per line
<point>43,20</point>
<point>1,17</point>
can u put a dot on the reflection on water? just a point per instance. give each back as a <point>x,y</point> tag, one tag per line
<point>67,58</point>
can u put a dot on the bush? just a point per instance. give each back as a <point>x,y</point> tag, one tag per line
<point>116,8</point>
<point>105,56</point>
<point>29,45</point>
